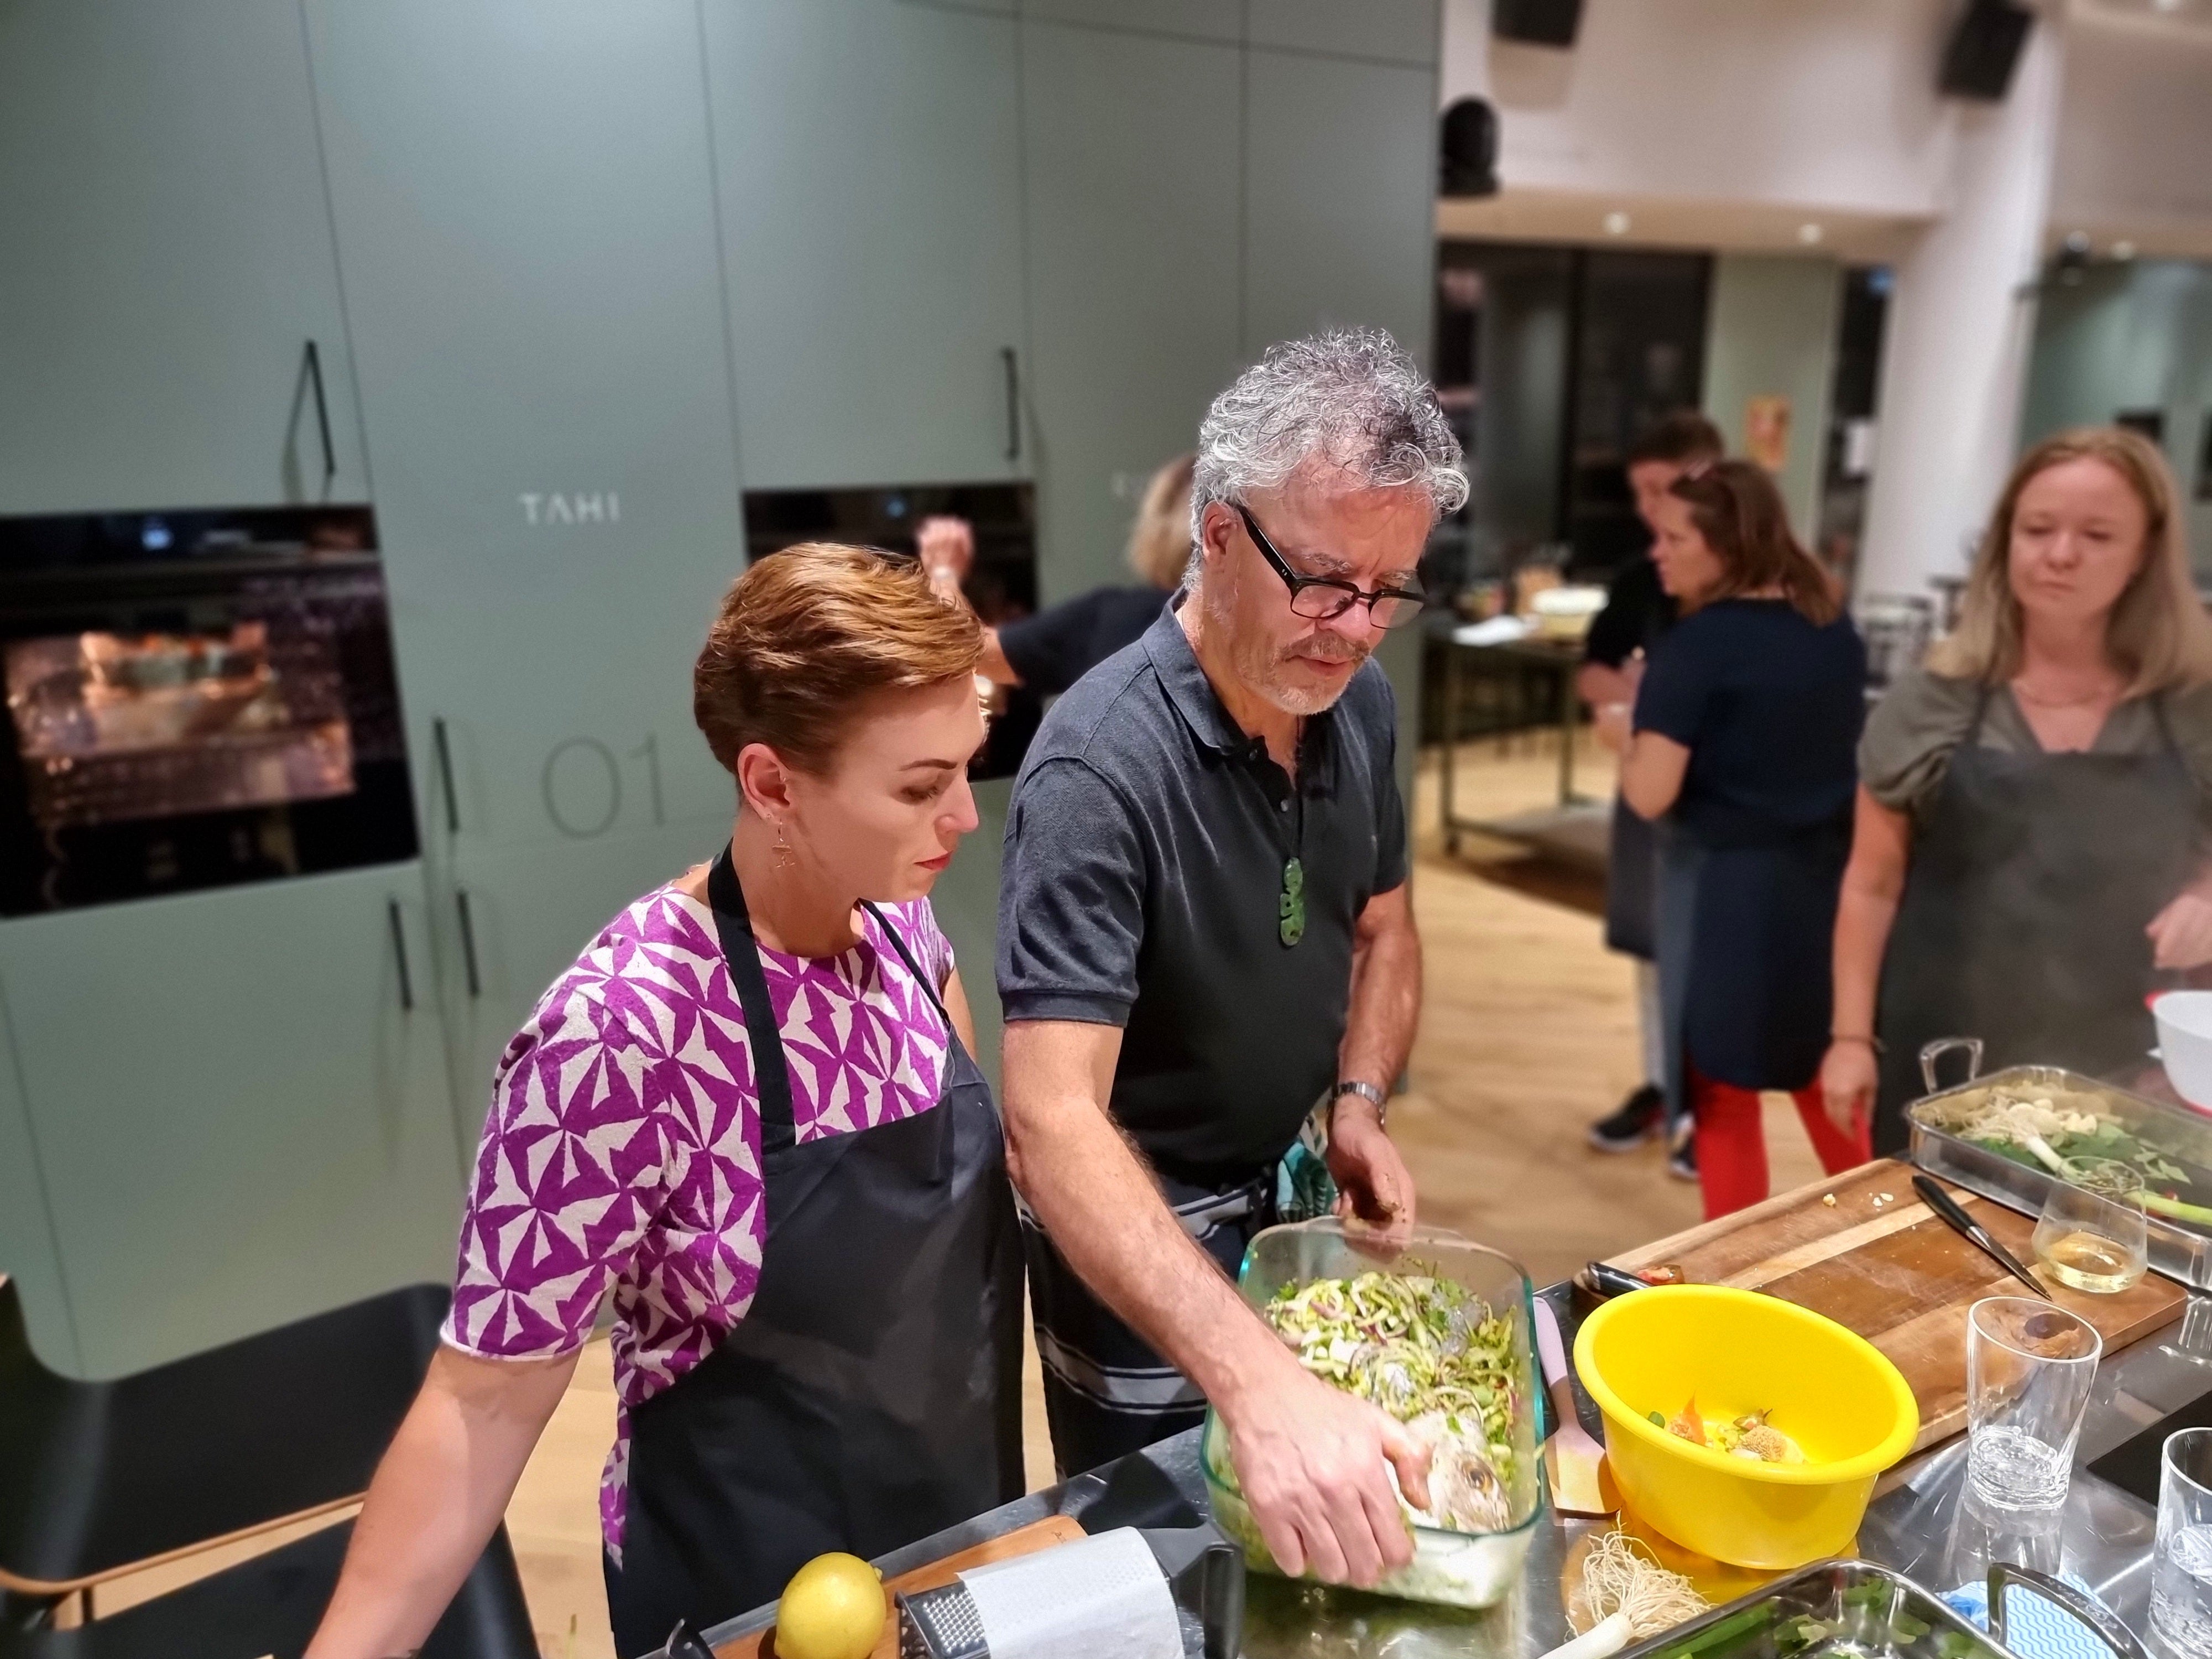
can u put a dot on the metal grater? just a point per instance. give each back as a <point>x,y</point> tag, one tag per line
<point>941,1624</point>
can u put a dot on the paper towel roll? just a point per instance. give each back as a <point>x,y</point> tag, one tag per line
<point>1104,1598</point>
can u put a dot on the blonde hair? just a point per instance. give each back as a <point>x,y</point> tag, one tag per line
<point>807,635</point>
<point>1159,540</point>
<point>2157,634</point>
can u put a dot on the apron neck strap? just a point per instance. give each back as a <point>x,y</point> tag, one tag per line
<point>733,925</point>
<point>928,985</point>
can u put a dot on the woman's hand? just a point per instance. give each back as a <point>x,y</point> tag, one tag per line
<point>1848,1079</point>
<point>2181,934</point>
<point>1611,723</point>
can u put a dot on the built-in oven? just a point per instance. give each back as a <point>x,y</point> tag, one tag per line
<point>1002,585</point>
<point>195,699</point>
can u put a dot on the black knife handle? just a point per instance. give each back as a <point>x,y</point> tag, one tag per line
<point>1944,1205</point>
<point>1608,1280</point>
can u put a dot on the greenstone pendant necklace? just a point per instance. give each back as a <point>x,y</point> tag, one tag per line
<point>1291,905</point>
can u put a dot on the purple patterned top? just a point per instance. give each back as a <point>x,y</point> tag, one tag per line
<point>623,1146</point>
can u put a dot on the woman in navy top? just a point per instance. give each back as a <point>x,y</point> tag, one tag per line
<point>1746,724</point>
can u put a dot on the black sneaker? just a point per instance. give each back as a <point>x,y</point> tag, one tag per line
<point>1682,1157</point>
<point>1637,1121</point>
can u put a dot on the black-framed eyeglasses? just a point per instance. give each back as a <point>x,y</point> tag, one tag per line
<point>1318,599</point>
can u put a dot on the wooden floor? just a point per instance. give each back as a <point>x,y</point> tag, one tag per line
<point>1528,1033</point>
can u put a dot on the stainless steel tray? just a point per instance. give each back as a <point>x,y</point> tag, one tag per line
<point>2177,1250</point>
<point>1850,1609</point>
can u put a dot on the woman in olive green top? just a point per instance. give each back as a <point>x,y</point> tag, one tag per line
<point>2029,847</point>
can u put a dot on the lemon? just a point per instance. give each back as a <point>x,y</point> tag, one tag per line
<point>832,1608</point>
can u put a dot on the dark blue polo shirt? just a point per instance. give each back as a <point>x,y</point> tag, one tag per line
<point>1144,867</point>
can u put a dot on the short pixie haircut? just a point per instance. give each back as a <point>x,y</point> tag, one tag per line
<point>807,635</point>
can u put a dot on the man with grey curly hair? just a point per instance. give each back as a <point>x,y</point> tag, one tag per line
<point>1204,934</point>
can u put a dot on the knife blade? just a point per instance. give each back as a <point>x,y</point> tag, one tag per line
<point>1974,1233</point>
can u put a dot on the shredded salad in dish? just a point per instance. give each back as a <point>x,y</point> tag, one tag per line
<point>1430,1353</point>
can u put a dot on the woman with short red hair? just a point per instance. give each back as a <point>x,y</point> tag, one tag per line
<point>749,1111</point>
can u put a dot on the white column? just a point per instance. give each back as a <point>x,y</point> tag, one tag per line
<point>1955,358</point>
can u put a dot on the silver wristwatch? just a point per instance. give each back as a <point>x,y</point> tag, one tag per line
<point>1366,1091</point>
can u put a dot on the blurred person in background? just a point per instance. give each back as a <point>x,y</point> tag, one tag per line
<point>1639,610</point>
<point>2029,850</point>
<point>1049,652</point>
<point>1743,730</point>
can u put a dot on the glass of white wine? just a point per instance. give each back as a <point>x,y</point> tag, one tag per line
<point>2093,1243</point>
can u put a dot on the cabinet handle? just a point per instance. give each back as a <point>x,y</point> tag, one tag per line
<point>1013,403</point>
<point>445,774</point>
<point>468,941</point>
<point>399,949</point>
<point>322,414</point>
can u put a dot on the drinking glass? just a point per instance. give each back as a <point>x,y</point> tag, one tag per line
<point>2181,1562</point>
<point>2093,1243</point>
<point>2029,1365</point>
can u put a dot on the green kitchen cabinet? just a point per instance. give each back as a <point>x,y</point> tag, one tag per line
<point>516,917</point>
<point>1340,184</point>
<point>526,213</point>
<point>1394,31</point>
<point>867,155</point>
<point>166,263</point>
<point>966,901</point>
<point>27,1256</point>
<point>1190,19</point>
<point>239,1107</point>
<point>1131,147</point>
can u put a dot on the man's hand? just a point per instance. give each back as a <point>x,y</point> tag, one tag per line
<point>1314,1464</point>
<point>1372,1182</point>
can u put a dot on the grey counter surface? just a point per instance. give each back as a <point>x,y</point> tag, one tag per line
<point>1916,1524</point>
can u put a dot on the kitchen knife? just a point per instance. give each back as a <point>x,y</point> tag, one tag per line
<point>1974,1233</point>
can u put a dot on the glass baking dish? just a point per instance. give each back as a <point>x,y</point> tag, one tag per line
<point>1457,1569</point>
<point>2178,1249</point>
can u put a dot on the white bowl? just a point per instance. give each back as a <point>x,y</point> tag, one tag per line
<point>2184,1043</point>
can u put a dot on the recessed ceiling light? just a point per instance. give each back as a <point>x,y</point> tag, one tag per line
<point>2167,5</point>
<point>2123,250</point>
<point>1809,233</point>
<point>1616,224</point>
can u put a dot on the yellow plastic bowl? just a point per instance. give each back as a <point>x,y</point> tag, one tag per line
<point>1736,1351</point>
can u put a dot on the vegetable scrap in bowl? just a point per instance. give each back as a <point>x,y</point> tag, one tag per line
<point>1748,1436</point>
<point>1434,1356</point>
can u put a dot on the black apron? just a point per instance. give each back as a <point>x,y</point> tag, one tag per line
<point>2032,879</point>
<point>1745,934</point>
<point>1631,884</point>
<point>872,1394</point>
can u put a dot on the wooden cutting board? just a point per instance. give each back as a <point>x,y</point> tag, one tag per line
<point>1022,1540</point>
<point>1895,1274</point>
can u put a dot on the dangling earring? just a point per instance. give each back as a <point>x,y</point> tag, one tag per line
<point>784,858</point>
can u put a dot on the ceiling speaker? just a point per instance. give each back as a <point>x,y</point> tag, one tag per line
<point>1470,149</point>
<point>1985,50</point>
<point>1536,23</point>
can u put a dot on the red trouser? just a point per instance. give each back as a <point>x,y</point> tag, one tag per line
<point>1731,1141</point>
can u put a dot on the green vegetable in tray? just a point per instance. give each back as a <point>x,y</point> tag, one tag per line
<point>2085,1147</point>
